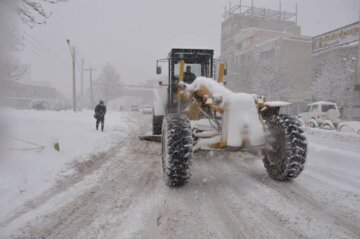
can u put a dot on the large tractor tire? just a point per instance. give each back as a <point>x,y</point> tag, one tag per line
<point>177,146</point>
<point>286,158</point>
<point>157,122</point>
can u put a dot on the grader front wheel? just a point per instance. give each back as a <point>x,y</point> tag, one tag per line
<point>288,148</point>
<point>176,144</point>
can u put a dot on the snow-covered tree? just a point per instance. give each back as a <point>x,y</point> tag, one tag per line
<point>33,12</point>
<point>30,12</point>
<point>108,85</point>
<point>334,81</point>
<point>272,79</point>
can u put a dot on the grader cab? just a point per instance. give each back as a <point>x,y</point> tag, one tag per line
<point>204,115</point>
<point>201,62</point>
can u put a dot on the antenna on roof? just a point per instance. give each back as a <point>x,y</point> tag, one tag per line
<point>280,10</point>
<point>252,7</point>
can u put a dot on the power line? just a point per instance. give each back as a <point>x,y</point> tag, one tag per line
<point>42,47</point>
<point>38,51</point>
<point>47,59</point>
<point>47,52</point>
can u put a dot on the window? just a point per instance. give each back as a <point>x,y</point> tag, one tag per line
<point>314,108</point>
<point>326,108</point>
<point>307,109</point>
<point>267,54</point>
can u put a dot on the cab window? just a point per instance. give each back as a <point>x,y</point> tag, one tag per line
<point>195,68</point>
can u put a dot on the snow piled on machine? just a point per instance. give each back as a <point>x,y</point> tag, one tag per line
<point>240,120</point>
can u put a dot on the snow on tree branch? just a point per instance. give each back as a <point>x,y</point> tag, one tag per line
<point>108,85</point>
<point>32,12</point>
<point>271,78</point>
<point>334,80</point>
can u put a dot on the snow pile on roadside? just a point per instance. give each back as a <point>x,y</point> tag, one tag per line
<point>334,163</point>
<point>345,139</point>
<point>27,171</point>
<point>355,125</point>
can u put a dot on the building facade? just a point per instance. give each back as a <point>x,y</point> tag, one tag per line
<point>335,55</point>
<point>266,53</point>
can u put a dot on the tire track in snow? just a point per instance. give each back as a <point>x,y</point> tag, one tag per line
<point>297,195</point>
<point>93,213</point>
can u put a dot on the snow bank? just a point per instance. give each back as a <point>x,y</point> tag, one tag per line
<point>355,125</point>
<point>27,173</point>
<point>159,101</point>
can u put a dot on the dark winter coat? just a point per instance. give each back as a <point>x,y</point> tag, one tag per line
<point>100,111</point>
<point>189,77</point>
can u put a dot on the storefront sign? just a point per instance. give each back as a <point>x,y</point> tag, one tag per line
<point>338,37</point>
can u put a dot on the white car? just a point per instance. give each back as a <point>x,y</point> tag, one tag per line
<point>321,114</point>
<point>147,109</point>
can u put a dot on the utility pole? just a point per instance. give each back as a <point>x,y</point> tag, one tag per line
<point>74,80</point>
<point>73,54</point>
<point>357,83</point>
<point>356,89</point>
<point>82,77</point>
<point>90,69</point>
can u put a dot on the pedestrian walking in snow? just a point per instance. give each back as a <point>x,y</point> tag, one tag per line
<point>100,111</point>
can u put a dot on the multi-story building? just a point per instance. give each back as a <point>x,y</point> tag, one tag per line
<point>264,50</point>
<point>335,54</point>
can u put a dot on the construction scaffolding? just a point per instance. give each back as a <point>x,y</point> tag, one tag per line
<point>263,13</point>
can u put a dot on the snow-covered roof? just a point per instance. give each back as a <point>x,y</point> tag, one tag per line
<point>277,103</point>
<point>322,103</point>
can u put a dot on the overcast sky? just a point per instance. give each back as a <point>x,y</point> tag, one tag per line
<point>131,35</point>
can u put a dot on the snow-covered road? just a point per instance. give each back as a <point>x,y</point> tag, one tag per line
<point>121,194</point>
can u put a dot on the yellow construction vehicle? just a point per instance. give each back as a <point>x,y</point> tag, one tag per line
<point>202,114</point>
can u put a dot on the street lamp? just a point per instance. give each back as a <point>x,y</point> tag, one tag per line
<point>72,52</point>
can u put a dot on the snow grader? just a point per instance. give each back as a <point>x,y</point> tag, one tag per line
<point>205,115</point>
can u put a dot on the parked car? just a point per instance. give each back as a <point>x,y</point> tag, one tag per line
<point>134,107</point>
<point>147,109</point>
<point>40,105</point>
<point>321,114</point>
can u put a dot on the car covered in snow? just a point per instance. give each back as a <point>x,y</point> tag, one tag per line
<point>134,107</point>
<point>40,105</point>
<point>321,114</point>
<point>147,109</point>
